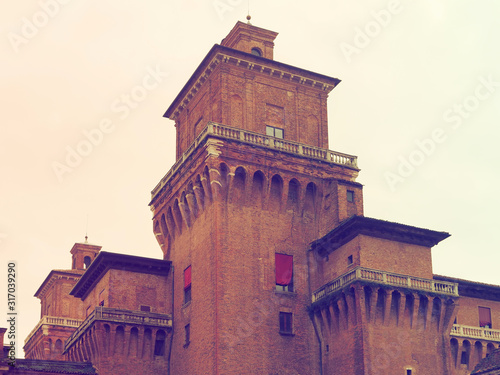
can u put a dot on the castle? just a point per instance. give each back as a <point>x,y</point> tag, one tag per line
<point>269,265</point>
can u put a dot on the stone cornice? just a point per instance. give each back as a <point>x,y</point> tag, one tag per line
<point>356,225</point>
<point>106,261</point>
<point>220,54</point>
<point>54,275</point>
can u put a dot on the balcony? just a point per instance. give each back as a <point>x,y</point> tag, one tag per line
<point>120,316</point>
<point>385,278</point>
<point>479,333</point>
<point>256,139</point>
<point>54,321</point>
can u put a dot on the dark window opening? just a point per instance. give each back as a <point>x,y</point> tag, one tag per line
<point>256,51</point>
<point>275,132</point>
<point>284,272</point>
<point>101,303</point>
<point>286,323</point>
<point>86,262</point>
<point>145,308</point>
<point>187,335</point>
<point>327,348</point>
<point>408,372</point>
<point>350,196</point>
<point>349,260</point>
<point>464,358</point>
<point>160,343</point>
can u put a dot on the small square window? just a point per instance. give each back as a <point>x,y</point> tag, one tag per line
<point>286,321</point>
<point>145,308</point>
<point>350,196</point>
<point>275,132</point>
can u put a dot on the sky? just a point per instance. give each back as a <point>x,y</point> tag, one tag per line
<point>84,85</point>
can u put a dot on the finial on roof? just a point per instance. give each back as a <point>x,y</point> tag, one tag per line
<point>86,239</point>
<point>249,17</point>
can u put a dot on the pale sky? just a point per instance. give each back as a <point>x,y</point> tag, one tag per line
<point>418,104</point>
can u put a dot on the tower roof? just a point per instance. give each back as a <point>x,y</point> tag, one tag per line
<point>236,50</point>
<point>356,225</point>
<point>106,261</point>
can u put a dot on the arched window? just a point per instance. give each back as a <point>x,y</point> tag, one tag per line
<point>160,343</point>
<point>256,52</point>
<point>86,262</point>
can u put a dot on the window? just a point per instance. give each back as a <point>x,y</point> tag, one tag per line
<point>160,343</point>
<point>274,132</point>
<point>286,323</point>
<point>350,196</point>
<point>187,285</point>
<point>256,51</point>
<point>145,308</point>
<point>349,260</point>
<point>86,262</point>
<point>464,358</point>
<point>284,272</point>
<point>101,297</point>
<point>187,335</point>
<point>484,317</point>
<point>408,372</point>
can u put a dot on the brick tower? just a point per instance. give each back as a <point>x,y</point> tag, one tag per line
<point>254,184</point>
<point>60,314</point>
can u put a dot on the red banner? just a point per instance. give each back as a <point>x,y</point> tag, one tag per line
<point>187,277</point>
<point>284,269</point>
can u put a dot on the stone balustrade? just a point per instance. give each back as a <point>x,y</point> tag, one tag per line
<point>244,136</point>
<point>54,321</point>
<point>386,278</point>
<point>480,333</point>
<point>120,316</point>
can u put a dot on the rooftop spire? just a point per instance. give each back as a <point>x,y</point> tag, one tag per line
<point>249,17</point>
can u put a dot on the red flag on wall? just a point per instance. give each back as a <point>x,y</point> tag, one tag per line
<point>284,269</point>
<point>187,277</point>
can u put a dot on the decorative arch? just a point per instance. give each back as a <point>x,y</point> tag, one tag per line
<point>159,349</point>
<point>293,194</point>
<point>133,342</point>
<point>310,200</point>
<point>119,339</point>
<point>258,187</point>
<point>276,192</point>
<point>239,183</point>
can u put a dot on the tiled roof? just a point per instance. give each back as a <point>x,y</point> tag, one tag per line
<point>58,367</point>
<point>489,365</point>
